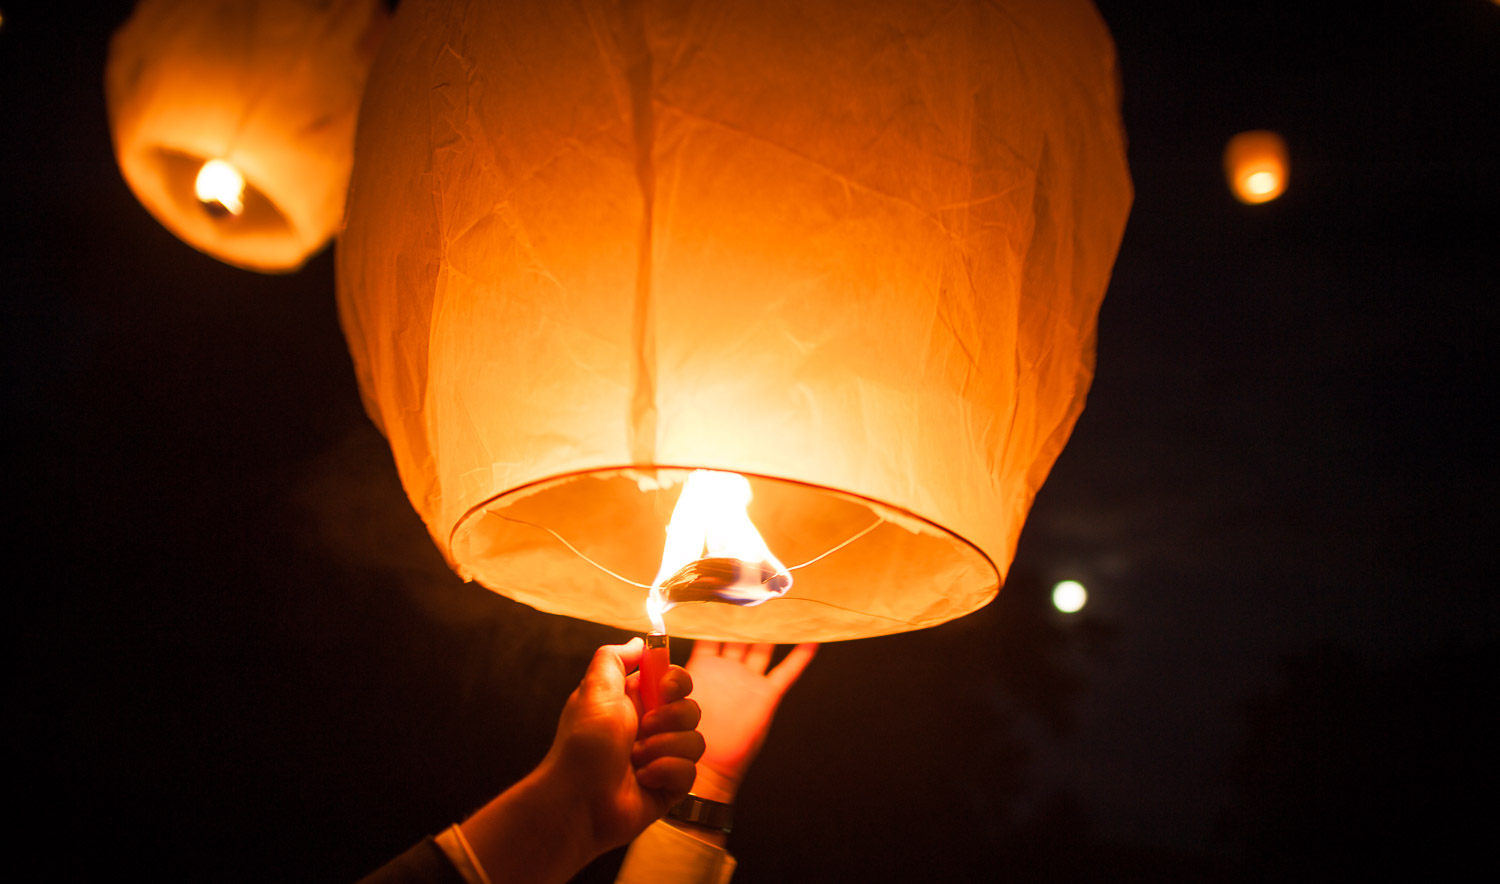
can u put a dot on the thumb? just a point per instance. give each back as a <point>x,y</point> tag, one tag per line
<point>605,677</point>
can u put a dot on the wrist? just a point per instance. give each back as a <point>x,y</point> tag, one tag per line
<point>528,832</point>
<point>714,786</point>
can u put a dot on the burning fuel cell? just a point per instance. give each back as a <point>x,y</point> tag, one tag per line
<point>221,188</point>
<point>713,553</point>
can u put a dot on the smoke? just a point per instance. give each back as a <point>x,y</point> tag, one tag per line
<point>360,517</point>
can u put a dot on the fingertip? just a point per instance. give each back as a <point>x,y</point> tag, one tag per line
<point>687,745</point>
<point>670,775</point>
<point>678,715</point>
<point>608,667</point>
<point>676,684</point>
<point>630,652</point>
<point>791,666</point>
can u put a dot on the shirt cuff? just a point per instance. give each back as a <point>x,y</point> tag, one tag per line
<point>456,847</point>
<point>666,853</point>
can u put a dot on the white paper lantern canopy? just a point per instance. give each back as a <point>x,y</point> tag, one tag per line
<point>233,120</point>
<point>852,251</point>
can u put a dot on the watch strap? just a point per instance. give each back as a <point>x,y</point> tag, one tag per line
<point>702,812</point>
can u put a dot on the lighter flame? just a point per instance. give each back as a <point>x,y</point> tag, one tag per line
<point>219,182</point>
<point>656,606</point>
<point>711,520</point>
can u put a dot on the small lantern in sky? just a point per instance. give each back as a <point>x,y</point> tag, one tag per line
<point>852,252</point>
<point>1256,165</point>
<point>233,120</point>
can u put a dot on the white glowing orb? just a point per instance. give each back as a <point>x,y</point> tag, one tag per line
<point>1069,596</point>
<point>1261,183</point>
<point>219,182</point>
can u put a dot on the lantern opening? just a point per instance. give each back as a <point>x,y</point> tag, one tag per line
<point>166,183</point>
<point>221,188</point>
<point>1260,183</point>
<point>585,544</point>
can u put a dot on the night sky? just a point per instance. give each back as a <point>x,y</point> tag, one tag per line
<point>237,656</point>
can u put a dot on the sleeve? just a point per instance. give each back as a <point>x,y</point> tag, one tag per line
<point>425,863</point>
<point>665,854</point>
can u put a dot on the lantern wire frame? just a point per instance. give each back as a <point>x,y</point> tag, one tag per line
<point>837,547</point>
<point>967,565</point>
<point>623,579</point>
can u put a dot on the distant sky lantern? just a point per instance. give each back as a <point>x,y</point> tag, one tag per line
<point>845,257</point>
<point>233,120</point>
<point>1256,165</point>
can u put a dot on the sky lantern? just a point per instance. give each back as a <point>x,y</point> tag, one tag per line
<point>789,305</point>
<point>233,121</point>
<point>1255,164</point>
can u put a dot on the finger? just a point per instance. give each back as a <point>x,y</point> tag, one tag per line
<point>703,648</point>
<point>790,669</point>
<point>758,657</point>
<point>605,677</point>
<point>682,715</point>
<point>677,744</point>
<point>670,776</point>
<point>630,652</point>
<point>734,650</point>
<point>675,685</point>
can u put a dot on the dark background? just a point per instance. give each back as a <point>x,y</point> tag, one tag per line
<point>237,656</point>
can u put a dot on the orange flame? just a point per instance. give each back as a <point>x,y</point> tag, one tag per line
<point>219,182</point>
<point>711,520</point>
<point>1256,164</point>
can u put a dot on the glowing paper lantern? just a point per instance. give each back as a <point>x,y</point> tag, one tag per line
<point>200,91</point>
<point>852,251</point>
<point>1255,164</point>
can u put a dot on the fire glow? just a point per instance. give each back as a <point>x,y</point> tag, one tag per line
<point>713,553</point>
<point>1256,163</point>
<point>220,186</point>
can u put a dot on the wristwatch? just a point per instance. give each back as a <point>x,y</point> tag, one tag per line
<point>701,812</point>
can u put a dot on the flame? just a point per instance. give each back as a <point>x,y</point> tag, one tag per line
<point>1256,163</point>
<point>218,182</point>
<point>711,521</point>
<point>1261,183</point>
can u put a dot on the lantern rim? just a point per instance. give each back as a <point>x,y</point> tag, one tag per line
<point>969,557</point>
<point>262,237</point>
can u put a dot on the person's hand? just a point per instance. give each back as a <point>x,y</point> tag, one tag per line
<point>609,774</point>
<point>626,769</point>
<point>738,698</point>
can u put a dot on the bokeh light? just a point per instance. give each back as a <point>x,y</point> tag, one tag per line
<point>1069,596</point>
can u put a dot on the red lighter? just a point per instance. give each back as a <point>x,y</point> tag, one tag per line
<point>655,661</point>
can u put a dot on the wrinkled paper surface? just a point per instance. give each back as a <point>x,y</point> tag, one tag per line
<point>853,251</point>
